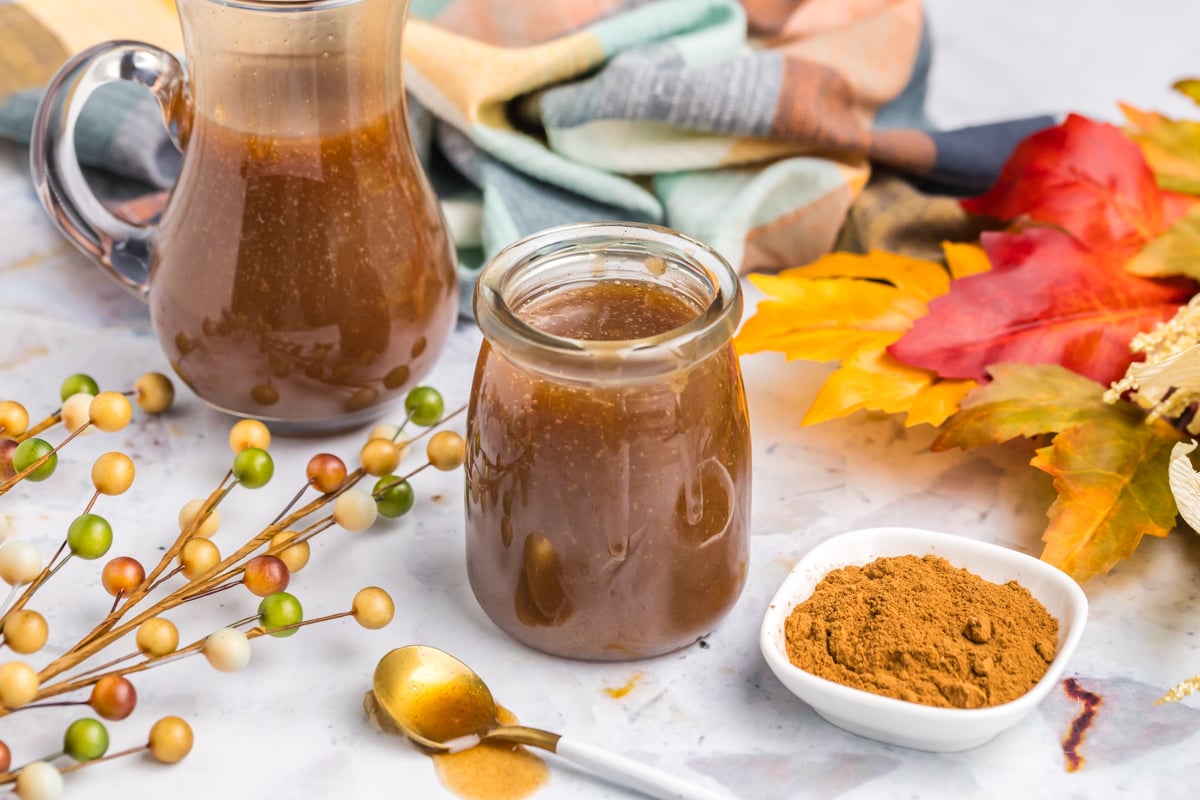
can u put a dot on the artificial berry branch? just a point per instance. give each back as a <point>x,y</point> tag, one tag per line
<point>263,564</point>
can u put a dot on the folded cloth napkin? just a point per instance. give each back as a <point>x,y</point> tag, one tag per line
<point>752,125</point>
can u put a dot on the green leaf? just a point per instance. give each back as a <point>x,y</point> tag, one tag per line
<point>1176,252</point>
<point>1027,400</point>
<point>1189,87</point>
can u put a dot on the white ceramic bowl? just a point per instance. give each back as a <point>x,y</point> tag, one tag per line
<point>897,721</point>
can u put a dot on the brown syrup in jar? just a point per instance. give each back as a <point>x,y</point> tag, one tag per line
<point>608,522</point>
<point>302,277</point>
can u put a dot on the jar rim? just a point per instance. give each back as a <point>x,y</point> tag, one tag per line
<point>710,329</point>
<point>284,6</point>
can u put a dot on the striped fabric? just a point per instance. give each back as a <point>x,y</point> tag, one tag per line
<point>753,125</point>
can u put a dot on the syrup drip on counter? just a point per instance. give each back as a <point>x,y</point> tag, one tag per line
<point>1079,726</point>
<point>494,770</point>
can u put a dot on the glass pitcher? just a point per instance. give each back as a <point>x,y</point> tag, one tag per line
<point>301,272</point>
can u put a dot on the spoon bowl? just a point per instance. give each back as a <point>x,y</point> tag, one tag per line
<point>433,697</point>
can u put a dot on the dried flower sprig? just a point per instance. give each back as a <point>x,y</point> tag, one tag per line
<point>263,564</point>
<point>1167,382</point>
<point>1167,385</point>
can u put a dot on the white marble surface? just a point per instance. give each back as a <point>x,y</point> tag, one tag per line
<point>290,725</point>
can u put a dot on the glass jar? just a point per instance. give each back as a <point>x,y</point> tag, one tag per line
<point>608,458</point>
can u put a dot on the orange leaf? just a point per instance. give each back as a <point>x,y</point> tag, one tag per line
<point>1110,468</point>
<point>1111,479</point>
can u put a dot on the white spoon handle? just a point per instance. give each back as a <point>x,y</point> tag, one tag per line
<point>634,774</point>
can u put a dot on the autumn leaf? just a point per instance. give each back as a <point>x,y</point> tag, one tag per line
<point>1025,400</point>
<point>1046,300</point>
<point>965,259</point>
<point>1110,468</point>
<point>848,308</point>
<point>1085,177</point>
<point>1176,252</point>
<point>873,380</point>
<point>1170,147</point>
<point>1189,87</point>
<point>1111,476</point>
<point>826,320</point>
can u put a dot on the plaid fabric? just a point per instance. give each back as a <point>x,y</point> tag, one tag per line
<point>751,125</point>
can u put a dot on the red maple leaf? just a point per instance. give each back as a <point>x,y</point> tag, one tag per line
<point>1087,178</point>
<point>1047,300</point>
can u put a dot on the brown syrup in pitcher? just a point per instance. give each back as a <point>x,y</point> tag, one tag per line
<point>302,278</point>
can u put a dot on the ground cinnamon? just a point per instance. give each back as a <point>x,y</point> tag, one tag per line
<point>922,630</point>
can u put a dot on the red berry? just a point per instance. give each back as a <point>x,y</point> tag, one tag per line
<point>266,575</point>
<point>327,472</point>
<point>113,697</point>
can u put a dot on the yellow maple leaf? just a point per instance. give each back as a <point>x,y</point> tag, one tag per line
<point>849,308</point>
<point>1171,148</point>
<point>873,380</point>
<point>1189,87</point>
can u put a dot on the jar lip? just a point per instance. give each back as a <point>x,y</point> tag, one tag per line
<point>284,6</point>
<point>708,330</point>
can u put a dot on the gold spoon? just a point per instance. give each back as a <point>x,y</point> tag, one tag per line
<point>443,706</point>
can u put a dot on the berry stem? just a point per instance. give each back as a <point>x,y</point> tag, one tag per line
<point>81,764</point>
<point>312,621</point>
<point>216,578</point>
<point>215,590</point>
<point>80,682</point>
<point>11,594</point>
<point>47,423</point>
<point>20,476</point>
<point>399,479</point>
<point>92,502</point>
<point>293,502</point>
<point>320,526</point>
<point>109,630</point>
<point>165,578</point>
<point>112,663</point>
<point>31,706</point>
<point>445,418</point>
<point>43,576</point>
<point>147,584</point>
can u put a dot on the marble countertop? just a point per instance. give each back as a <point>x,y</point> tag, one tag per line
<point>290,725</point>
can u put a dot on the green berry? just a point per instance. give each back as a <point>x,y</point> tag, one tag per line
<point>393,497</point>
<point>89,536</point>
<point>424,405</point>
<point>86,739</point>
<point>30,451</point>
<point>279,610</point>
<point>78,383</point>
<point>253,467</point>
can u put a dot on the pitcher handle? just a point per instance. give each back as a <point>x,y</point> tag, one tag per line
<point>122,248</point>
